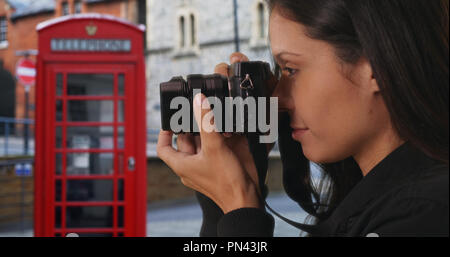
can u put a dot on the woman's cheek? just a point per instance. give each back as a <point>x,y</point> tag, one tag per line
<point>309,103</point>
<point>317,109</point>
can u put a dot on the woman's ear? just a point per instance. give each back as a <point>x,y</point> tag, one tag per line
<point>371,77</point>
<point>367,76</point>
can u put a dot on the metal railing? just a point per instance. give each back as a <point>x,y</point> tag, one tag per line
<point>16,136</point>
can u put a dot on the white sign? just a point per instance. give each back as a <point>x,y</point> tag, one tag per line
<point>81,160</point>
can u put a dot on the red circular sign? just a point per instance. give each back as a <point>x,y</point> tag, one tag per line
<point>26,72</point>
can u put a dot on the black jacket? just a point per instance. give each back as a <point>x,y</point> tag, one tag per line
<point>406,194</point>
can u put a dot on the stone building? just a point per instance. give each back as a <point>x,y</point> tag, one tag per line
<point>192,36</point>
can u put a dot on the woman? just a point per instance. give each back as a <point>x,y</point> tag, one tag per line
<point>365,86</point>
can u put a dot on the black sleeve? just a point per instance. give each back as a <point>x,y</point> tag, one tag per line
<point>246,222</point>
<point>211,215</point>
<point>410,217</point>
<point>243,222</point>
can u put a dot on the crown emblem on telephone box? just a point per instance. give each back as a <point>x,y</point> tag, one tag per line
<point>91,29</point>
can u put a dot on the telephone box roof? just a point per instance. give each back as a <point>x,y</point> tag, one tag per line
<point>88,16</point>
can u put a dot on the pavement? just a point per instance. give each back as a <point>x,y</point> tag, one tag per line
<point>182,218</point>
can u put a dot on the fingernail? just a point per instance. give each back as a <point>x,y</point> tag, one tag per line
<point>235,59</point>
<point>198,100</point>
<point>205,104</point>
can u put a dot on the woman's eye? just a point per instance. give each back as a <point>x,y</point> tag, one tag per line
<point>291,72</point>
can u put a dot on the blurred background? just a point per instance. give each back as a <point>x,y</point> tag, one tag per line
<point>182,37</point>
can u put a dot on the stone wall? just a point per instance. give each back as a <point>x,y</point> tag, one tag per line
<point>215,42</point>
<point>164,184</point>
<point>16,196</point>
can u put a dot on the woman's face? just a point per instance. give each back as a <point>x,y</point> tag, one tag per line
<point>338,103</point>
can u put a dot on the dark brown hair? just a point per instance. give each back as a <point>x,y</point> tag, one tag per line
<point>406,43</point>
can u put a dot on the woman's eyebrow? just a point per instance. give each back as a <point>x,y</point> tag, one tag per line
<point>279,57</point>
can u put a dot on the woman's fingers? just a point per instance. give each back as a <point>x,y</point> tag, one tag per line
<point>222,69</point>
<point>177,161</point>
<point>238,57</point>
<point>198,143</point>
<point>228,135</point>
<point>186,143</point>
<point>205,120</point>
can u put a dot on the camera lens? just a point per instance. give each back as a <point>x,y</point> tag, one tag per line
<point>211,86</point>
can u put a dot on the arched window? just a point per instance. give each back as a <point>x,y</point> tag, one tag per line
<point>65,8</point>
<point>186,32</point>
<point>3,29</point>
<point>77,6</point>
<point>260,17</point>
<point>261,21</point>
<point>193,31</point>
<point>182,32</point>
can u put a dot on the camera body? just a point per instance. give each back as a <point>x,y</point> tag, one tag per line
<point>246,80</point>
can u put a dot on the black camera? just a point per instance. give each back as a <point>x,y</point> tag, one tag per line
<point>247,81</point>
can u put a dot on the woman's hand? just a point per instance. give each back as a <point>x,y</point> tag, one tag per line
<point>213,169</point>
<point>236,142</point>
<point>210,168</point>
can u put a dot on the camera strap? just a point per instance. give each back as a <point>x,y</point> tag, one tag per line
<point>260,156</point>
<point>304,227</point>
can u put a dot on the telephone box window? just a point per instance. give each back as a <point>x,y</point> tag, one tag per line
<point>120,217</point>
<point>90,110</point>
<point>120,112</point>
<point>59,110</point>
<point>120,191</point>
<point>89,217</point>
<point>89,164</point>
<point>58,217</point>
<point>59,84</point>
<point>121,83</point>
<point>120,137</point>
<point>58,133</point>
<point>58,164</point>
<point>89,190</point>
<point>90,84</point>
<point>90,137</point>
<point>58,190</point>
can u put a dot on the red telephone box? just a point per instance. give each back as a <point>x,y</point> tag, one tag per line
<point>90,173</point>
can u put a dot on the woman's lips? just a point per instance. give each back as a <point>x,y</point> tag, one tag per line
<point>297,133</point>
